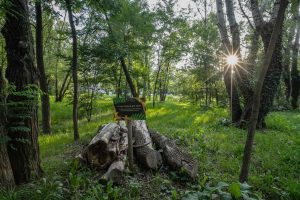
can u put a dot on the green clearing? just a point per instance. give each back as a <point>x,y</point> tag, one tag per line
<point>275,169</point>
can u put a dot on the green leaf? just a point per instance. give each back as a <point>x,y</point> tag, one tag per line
<point>245,186</point>
<point>235,190</point>
<point>221,185</point>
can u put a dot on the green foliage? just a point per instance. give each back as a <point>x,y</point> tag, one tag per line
<point>223,191</point>
<point>219,149</point>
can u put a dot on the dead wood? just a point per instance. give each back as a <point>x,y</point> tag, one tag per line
<point>175,157</point>
<point>145,153</point>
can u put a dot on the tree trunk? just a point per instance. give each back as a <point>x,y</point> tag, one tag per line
<point>57,97</point>
<point>295,72</point>
<point>128,77</point>
<point>271,82</point>
<point>286,75</point>
<point>46,118</point>
<point>272,79</point>
<point>74,71</point>
<point>64,87</point>
<point>258,93</point>
<point>6,173</point>
<point>230,85</point>
<point>22,120</point>
<point>156,78</point>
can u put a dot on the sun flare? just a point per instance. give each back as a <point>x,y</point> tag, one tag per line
<point>232,60</point>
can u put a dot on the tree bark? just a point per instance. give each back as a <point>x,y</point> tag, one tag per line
<point>258,93</point>
<point>295,72</point>
<point>156,78</point>
<point>231,87</point>
<point>6,173</point>
<point>64,87</point>
<point>286,75</point>
<point>272,79</point>
<point>22,120</point>
<point>74,70</point>
<point>46,117</point>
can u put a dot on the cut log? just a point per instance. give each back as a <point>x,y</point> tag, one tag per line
<point>114,172</point>
<point>116,169</point>
<point>144,150</point>
<point>175,157</point>
<point>103,148</point>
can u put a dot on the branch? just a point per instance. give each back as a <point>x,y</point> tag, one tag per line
<point>246,16</point>
<point>258,19</point>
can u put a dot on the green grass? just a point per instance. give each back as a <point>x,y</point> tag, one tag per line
<point>275,168</point>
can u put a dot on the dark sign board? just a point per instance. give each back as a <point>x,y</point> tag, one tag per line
<point>131,108</point>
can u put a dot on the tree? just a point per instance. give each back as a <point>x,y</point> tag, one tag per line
<point>46,118</point>
<point>295,77</point>
<point>21,73</point>
<point>230,49</point>
<point>259,89</point>
<point>270,85</point>
<point>6,174</point>
<point>74,70</point>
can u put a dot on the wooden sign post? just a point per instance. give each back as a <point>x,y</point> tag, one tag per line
<point>129,109</point>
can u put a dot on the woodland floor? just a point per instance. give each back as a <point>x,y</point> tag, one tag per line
<point>275,169</point>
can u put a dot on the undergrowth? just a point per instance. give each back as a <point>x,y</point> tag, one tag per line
<point>218,146</point>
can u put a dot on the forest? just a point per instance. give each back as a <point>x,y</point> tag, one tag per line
<point>149,99</point>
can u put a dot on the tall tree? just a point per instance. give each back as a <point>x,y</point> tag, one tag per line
<point>6,174</point>
<point>74,70</point>
<point>271,82</point>
<point>230,49</point>
<point>286,75</point>
<point>258,92</point>
<point>295,76</point>
<point>46,118</point>
<point>23,148</point>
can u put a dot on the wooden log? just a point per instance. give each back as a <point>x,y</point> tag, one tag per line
<point>114,172</point>
<point>175,157</point>
<point>145,153</point>
<point>116,169</point>
<point>103,148</point>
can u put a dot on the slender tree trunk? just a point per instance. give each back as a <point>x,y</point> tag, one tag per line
<point>119,90</point>
<point>128,77</point>
<point>259,89</point>
<point>231,87</point>
<point>64,87</point>
<point>6,173</point>
<point>74,70</point>
<point>295,72</point>
<point>46,118</point>
<point>286,75</point>
<point>156,78</point>
<point>23,147</point>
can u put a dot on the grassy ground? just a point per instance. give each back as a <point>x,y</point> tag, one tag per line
<point>275,169</point>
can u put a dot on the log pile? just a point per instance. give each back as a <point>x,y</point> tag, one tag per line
<point>108,151</point>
